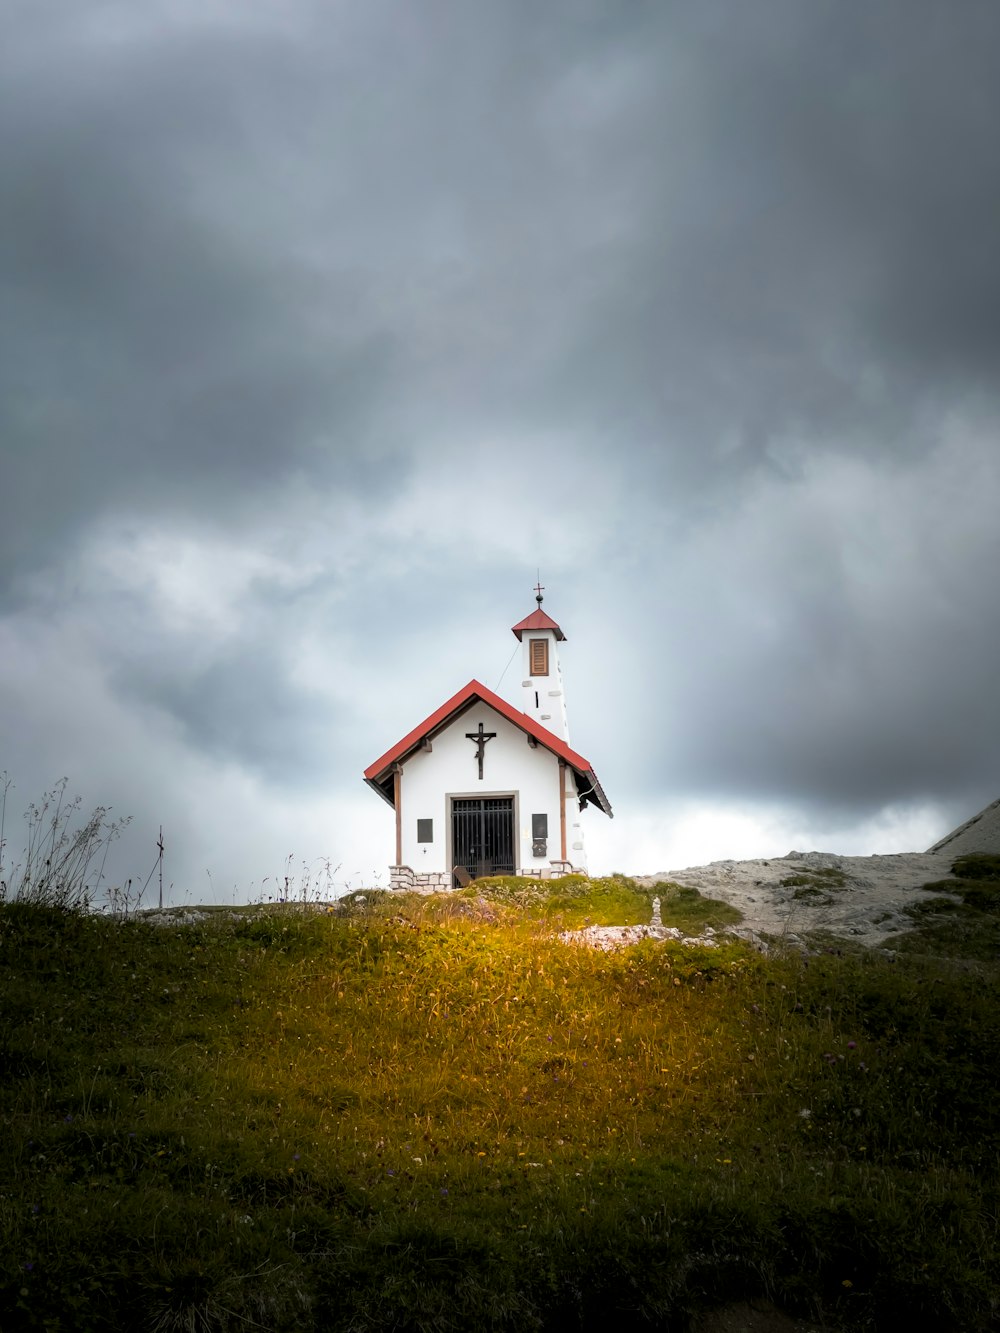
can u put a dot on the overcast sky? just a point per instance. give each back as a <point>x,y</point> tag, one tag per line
<point>324,325</point>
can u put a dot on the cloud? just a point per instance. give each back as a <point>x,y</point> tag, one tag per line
<point>662,838</point>
<point>324,327</point>
<point>829,638</point>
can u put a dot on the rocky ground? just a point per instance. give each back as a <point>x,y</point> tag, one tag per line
<point>750,1317</point>
<point>859,898</point>
<point>788,898</point>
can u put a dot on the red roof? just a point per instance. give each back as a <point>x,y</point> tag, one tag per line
<point>537,620</point>
<point>377,773</point>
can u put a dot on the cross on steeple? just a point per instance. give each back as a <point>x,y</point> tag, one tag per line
<point>539,589</point>
<point>480,737</point>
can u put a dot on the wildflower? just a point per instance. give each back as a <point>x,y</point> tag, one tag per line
<point>805,1113</point>
<point>443,1192</point>
<point>852,1045</point>
<point>847,1284</point>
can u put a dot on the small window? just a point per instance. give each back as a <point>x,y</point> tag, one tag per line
<point>539,649</point>
<point>425,830</point>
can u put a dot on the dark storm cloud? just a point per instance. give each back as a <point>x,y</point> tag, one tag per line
<point>652,261</point>
<point>841,648</point>
<point>830,717</point>
<point>153,355</point>
<point>237,251</point>
<point>818,190</point>
<point>240,707</point>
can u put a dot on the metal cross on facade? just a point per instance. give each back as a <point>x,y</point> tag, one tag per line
<point>480,737</point>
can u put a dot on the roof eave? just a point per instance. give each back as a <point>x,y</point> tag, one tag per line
<point>417,738</point>
<point>536,623</point>
<point>593,793</point>
<point>372,782</point>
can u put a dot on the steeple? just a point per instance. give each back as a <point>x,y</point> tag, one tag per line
<point>543,696</point>
<point>485,787</point>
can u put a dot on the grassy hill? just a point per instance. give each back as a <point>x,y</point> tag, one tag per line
<point>432,1114</point>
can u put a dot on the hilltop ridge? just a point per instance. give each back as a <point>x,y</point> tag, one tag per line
<point>859,898</point>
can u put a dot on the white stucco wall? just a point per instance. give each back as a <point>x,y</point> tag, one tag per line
<point>543,698</point>
<point>511,767</point>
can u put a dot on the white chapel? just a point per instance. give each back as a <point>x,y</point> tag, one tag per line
<point>482,787</point>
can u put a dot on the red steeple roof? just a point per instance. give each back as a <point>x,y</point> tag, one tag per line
<point>537,620</point>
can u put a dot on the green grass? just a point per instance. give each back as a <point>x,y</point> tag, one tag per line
<point>813,887</point>
<point>430,1114</point>
<point>575,901</point>
<point>962,919</point>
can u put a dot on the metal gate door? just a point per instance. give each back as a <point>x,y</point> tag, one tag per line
<point>482,836</point>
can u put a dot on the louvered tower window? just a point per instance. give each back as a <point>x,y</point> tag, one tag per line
<point>539,657</point>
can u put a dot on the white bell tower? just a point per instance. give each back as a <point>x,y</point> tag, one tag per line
<point>543,695</point>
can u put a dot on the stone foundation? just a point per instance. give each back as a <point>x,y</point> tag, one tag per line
<point>405,878</point>
<point>553,870</point>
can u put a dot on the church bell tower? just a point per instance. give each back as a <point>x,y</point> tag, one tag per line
<point>543,695</point>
